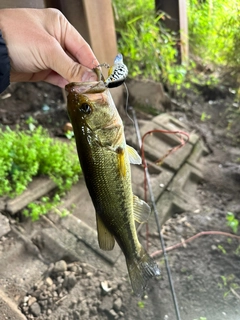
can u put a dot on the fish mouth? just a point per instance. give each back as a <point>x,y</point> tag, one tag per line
<point>85,87</point>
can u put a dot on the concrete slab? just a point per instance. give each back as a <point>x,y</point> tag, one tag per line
<point>88,235</point>
<point>170,123</point>
<point>160,178</point>
<point>79,203</point>
<point>157,145</point>
<point>168,205</point>
<point>196,159</point>
<point>185,182</point>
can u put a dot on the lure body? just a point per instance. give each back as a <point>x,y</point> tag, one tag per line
<point>117,74</point>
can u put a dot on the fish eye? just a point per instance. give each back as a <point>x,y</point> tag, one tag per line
<point>85,108</point>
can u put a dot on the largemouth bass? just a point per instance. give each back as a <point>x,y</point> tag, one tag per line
<point>105,160</point>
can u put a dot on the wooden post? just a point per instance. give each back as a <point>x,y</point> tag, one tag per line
<point>177,10</point>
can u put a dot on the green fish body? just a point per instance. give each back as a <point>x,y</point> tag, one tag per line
<point>105,161</point>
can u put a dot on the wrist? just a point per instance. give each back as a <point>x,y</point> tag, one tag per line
<point>4,65</point>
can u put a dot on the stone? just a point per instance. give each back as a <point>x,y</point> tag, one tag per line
<point>113,314</point>
<point>49,312</point>
<point>35,309</point>
<point>117,304</point>
<point>93,311</point>
<point>107,303</point>
<point>31,300</point>
<point>148,93</point>
<point>5,227</point>
<point>60,266</point>
<point>71,281</point>
<point>49,282</point>
<point>76,315</point>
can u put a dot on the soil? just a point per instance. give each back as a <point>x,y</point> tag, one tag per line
<point>206,271</point>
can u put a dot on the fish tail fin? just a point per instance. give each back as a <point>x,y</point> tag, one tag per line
<point>141,270</point>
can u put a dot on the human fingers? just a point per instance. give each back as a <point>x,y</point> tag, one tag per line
<point>60,62</point>
<point>71,40</point>
<point>56,79</point>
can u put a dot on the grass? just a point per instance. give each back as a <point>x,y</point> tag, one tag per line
<point>149,49</point>
<point>214,35</point>
<point>27,154</point>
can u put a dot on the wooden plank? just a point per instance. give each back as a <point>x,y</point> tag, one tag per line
<point>36,189</point>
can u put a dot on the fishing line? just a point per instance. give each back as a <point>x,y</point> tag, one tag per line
<point>126,104</point>
<point>174,297</point>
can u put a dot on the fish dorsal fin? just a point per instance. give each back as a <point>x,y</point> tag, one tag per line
<point>106,240</point>
<point>141,210</point>
<point>133,156</point>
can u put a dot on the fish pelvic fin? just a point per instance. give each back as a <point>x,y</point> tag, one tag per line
<point>106,240</point>
<point>141,210</point>
<point>140,271</point>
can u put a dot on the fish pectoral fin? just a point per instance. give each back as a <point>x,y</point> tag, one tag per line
<point>141,210</point>
<point>133,156</point>
<point>106,240</point>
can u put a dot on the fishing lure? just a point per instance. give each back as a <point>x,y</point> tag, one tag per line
<point>117,73</point>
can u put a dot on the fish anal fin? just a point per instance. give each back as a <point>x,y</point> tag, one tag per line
<point>106,240</point>
<point>133,156</point>
<point>141,210</point>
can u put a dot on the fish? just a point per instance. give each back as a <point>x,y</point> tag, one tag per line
<point>105,161</point>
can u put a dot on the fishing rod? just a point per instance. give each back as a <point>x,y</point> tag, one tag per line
<point>174,297</point>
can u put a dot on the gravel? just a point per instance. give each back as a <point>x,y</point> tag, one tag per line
<point>47,297</point>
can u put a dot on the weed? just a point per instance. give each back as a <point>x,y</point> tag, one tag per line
<point>43,206</point>
<point>205,116</point>
<point>213,35</point>
<point>69,134</point>
<point>149,49</point>
<point>237,251</point>
<point>221,248</point>
<point>228,284</point>
<point>232,222</point>
<point>26,154</point>
<point>141,304</point>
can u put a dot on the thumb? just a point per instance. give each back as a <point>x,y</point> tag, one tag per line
<point>69,69</point>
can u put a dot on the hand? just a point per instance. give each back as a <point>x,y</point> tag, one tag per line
<point>44,46</point>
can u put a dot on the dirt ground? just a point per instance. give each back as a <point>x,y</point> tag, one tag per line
<point>206,271</point>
